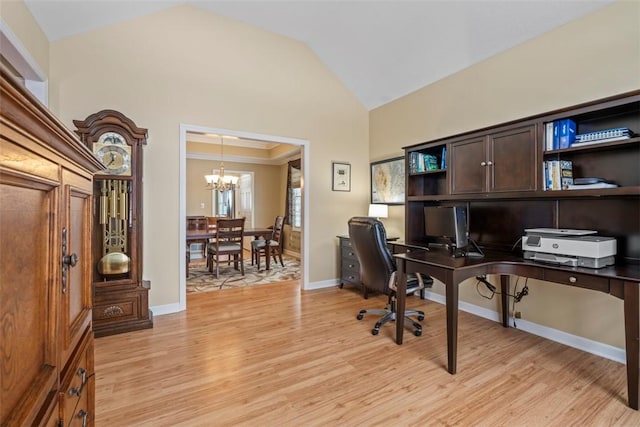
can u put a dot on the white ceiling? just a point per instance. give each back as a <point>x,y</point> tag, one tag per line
<point>380,50</point>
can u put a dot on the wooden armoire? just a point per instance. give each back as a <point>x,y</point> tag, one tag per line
<point>46,198</point>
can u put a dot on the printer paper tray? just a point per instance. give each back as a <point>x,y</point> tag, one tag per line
<point>555,259</point>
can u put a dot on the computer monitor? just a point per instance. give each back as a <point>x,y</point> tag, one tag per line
<point>446,225</point>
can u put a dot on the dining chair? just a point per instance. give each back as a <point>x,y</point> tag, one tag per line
<point>211,226</point>
<point>274,242</point>
<point>198,222</point>
<point>229,242</point>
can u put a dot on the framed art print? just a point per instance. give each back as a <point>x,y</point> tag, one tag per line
<point>341,176</point>
<point>387,181</point>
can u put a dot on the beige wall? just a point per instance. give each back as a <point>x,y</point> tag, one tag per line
<point>184,65</point>
<point>267,182</point>
<point>24,26</point>
<point>561,68</point>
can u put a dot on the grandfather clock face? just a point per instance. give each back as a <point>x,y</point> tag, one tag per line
<point>114,152</point>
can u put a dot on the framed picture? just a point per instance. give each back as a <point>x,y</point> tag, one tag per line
<point>341,180</point>
<point>387,181</point>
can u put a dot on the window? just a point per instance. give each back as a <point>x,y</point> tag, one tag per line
<point>295,198</point>
<point>296,208</point>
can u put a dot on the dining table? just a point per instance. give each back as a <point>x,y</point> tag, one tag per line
<point>203,235</point>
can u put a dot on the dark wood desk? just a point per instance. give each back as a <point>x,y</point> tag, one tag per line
<point>619,281</point>
<point>194,236</point>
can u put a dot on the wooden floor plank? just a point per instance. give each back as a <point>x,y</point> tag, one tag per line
<point>273,355</point>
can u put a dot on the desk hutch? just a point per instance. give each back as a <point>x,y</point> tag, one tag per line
<point>497,172</point>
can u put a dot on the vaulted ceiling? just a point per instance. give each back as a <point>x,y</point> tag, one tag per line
<point>380,50</point>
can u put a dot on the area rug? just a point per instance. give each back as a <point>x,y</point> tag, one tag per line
<point>200,280</point>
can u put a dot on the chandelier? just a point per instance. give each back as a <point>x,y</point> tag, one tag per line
<point>220,182</point>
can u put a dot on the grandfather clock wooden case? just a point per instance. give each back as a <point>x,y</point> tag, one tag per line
<point>121,302</point>
<point>46,337</point>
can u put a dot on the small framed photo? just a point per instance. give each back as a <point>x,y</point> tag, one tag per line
<point>341,176</point>
<point>387,181</point>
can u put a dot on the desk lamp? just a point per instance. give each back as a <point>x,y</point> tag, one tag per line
<point>378,211</point>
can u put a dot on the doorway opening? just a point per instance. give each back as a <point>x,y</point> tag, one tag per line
<point>303,145</point>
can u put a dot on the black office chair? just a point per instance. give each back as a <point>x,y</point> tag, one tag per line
<point>378,271</point>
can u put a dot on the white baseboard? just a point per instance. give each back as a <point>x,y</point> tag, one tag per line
<point>594,347</point>
<point>159,310</point>
<point>321,285</point>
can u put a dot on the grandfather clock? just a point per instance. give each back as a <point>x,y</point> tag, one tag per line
<point>120,296</point>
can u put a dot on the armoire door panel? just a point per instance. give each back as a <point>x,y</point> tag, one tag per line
<point>76,298</point>
<point>27,299</point>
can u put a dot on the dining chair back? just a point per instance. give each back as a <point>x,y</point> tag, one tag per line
<point>274,243</point>
<point>228,244</point>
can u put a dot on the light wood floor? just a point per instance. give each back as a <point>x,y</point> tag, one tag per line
<point>272,355</point>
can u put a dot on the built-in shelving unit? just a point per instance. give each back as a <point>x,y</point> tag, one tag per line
<point>498,173</point>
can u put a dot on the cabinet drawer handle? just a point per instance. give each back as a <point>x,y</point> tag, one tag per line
<point>82,373</point>
<point>483,163</point>
<point>83,414</point>
<point>75,391</point>
<point>489,163</point>
<point>68,261</point>
<point>351,265</point>
<point>573,279</point>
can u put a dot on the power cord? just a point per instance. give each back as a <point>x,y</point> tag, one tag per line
<point>513,248</point>
<point>477,253</point>
<point>489,286</point>
<point>517,296</point>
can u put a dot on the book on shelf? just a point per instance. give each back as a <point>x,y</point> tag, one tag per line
<point>559,134</point>
<point>548,136</point>
<point>422,162</point>
<point>592,186</point>
<point>567,133</point>
<point>558,174</point>
<point>607,135</point>
<point>431,162</point>
<point>566,174</point>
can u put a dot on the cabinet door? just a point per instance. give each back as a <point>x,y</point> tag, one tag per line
<point>28,294</point>
<point>500,162</point>
<point>511,161</point>
<point>76,282</point>
<point>468,166</point>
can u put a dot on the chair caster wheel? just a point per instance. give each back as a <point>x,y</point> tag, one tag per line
<point>359,316</point>
<point>421,317</point>
<point>374,332</point>
<point>417,332</point>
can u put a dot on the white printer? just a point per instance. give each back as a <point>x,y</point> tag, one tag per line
<point>576,248</point>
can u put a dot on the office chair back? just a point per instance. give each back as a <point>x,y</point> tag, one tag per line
<point>369,242</point>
